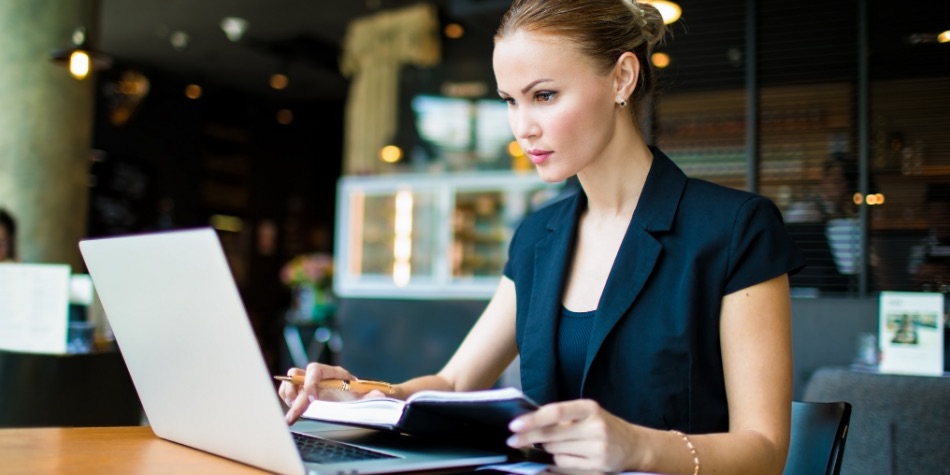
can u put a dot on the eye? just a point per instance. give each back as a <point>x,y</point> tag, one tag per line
<point>508,100</point>
<point>544,96</point>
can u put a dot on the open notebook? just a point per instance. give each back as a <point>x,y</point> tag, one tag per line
<point>478,418</point>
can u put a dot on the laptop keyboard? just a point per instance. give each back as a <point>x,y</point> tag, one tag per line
<point>318,450</point>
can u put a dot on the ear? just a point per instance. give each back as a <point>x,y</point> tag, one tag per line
<point>626,75</point>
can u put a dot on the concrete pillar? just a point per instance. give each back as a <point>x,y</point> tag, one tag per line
<point>46,119</point>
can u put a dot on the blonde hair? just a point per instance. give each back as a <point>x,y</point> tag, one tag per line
<point>601,29</point>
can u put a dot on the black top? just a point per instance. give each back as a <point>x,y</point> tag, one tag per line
<point>654,355</point>
<point>573,334</point>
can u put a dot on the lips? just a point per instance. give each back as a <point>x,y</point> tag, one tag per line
<point>538,156</point>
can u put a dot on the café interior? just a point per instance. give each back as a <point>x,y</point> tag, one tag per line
<point>324,141</point>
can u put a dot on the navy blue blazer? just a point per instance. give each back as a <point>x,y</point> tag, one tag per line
<point>654,354</point>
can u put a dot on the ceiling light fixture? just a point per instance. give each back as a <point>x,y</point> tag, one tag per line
<point>127,95</point>
<point>660,60</point>
<point>454,31</point>
<point>279,81</point>
<point>285,116</point>
<point>193,91</point>
<point>925,38</point>
<point>234,27</point>
<point>79,64</point>
<point>80,58</point>
<point>390,154</point>
<point>179,40</point>
<point>670,11</point>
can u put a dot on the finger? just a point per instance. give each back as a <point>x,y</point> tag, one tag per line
<point>561,431</point>
<point>299,405</point>
<point>374,394</point>
<point>555,413</point>
<point>287,390</point>
<point>331,372</point>
<point>310,392</point>
<point>316,372</point>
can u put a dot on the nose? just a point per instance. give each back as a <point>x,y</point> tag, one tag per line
<point>522,123</point>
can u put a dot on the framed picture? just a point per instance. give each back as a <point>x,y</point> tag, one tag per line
<point>911,332</point>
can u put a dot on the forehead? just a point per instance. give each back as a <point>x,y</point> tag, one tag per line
<point>537,54</point>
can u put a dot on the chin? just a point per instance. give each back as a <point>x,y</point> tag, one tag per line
<point>550,175</point>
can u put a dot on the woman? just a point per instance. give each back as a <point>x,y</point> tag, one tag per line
<point>648,307</point>
<point>7,237</point>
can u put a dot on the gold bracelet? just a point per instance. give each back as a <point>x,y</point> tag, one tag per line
<point>692,450</point>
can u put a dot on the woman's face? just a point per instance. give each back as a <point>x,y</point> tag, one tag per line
<point>4,244</point>
<point>834,185</point>
<point>560,110</point>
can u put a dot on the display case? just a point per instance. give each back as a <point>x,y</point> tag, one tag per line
<point>429,236</point>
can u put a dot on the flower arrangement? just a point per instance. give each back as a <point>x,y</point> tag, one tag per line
<point>308,269</point>
<point>310,278</point>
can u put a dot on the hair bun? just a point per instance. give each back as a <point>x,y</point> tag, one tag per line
<point>651,22</point>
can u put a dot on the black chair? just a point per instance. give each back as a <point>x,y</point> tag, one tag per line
<point>819,431</point>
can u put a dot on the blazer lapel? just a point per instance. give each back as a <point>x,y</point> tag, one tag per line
<point>551,256</point>
<point>639,251</point>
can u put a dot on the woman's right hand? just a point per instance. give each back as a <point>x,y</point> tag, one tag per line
<point>298,398</point>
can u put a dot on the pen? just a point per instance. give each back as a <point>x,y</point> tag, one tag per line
<point>359,385</point>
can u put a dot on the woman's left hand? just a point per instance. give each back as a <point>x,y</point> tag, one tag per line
<point>579,434</point>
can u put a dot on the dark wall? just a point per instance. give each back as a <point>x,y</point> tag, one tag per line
<point>826,332</point>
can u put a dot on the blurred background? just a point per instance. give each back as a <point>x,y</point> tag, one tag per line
<point>313,134</point>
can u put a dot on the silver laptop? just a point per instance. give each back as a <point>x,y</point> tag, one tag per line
<point>184,334</point>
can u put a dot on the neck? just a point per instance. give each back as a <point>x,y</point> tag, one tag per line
<point>613,184</point>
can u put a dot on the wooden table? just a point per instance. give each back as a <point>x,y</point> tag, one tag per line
<point>105,450</point>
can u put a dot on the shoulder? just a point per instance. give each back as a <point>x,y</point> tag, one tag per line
<point>704,200</point>
<point>697,188</point>
<point>671,200</point>
<point>749,229</point>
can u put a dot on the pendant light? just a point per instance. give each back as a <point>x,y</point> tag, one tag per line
<point>670,11</point>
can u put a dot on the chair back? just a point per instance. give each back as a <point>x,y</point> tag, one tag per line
<point>819,431</point>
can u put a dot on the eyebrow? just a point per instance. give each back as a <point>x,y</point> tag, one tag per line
<point>529,86</point>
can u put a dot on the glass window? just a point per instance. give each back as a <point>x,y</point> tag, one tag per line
<point>464,134</point>
<point>806,145</point>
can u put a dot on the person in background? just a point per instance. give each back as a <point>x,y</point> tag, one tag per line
<point>651,311</point>
<point>835,197</point>
<point>826,228</point>
<point>929,260</point>
<point>7,237</point>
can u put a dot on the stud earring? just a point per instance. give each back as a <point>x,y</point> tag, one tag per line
<point>622,103</point>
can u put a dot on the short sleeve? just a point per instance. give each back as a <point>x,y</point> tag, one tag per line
<point>511,264</point>
<point>760,248</point>
<point>507,270</point>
